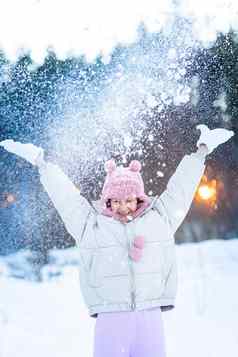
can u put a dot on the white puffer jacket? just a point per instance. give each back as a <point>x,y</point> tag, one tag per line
<point>110,280</point>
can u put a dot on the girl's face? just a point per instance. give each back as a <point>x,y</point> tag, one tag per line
<point>124,207</point>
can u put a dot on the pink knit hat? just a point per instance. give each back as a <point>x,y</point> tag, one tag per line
<point>122,182</point>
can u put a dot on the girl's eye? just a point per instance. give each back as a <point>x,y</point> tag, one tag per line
<point>129,201</point>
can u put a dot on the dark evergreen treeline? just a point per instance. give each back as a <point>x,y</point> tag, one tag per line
<point>29,102</point>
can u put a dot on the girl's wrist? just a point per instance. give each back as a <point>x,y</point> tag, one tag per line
<point>203,149</point>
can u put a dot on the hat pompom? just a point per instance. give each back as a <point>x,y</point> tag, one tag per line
<point>135,166</point>
<point>110,166</point>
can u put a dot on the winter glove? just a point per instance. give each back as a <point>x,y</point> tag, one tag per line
<point>136,251</point>
<point>213,138</point>
<point>29,152</point>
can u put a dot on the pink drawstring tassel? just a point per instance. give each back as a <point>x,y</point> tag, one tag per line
<point>135,254</point>
<point>136,251</point>
<point>139,242</point>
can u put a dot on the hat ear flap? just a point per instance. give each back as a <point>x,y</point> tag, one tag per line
<point>110,166</point>
<point>135,166</point>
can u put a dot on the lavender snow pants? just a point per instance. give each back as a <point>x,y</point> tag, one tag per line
<point>129,334</point>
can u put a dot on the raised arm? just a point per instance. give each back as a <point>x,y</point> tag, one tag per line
<point>177,198</point>
<point>72,207</point>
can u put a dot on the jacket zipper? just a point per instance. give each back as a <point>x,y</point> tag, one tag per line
<point>132,278</point>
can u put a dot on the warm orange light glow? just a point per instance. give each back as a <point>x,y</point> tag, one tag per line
<point>10,198</point>
<point>206,192</point>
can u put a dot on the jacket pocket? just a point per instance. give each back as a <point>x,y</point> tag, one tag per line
<point>95,275</point>
<point>149,286</point>
<point>115,289</point>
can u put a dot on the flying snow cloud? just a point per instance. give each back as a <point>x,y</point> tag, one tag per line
<point>149,77</point>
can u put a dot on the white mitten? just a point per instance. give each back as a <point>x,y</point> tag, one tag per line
<point>213,138</point>
<point>29,152</point>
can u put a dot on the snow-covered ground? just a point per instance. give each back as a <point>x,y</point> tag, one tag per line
<point>50,319</point>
